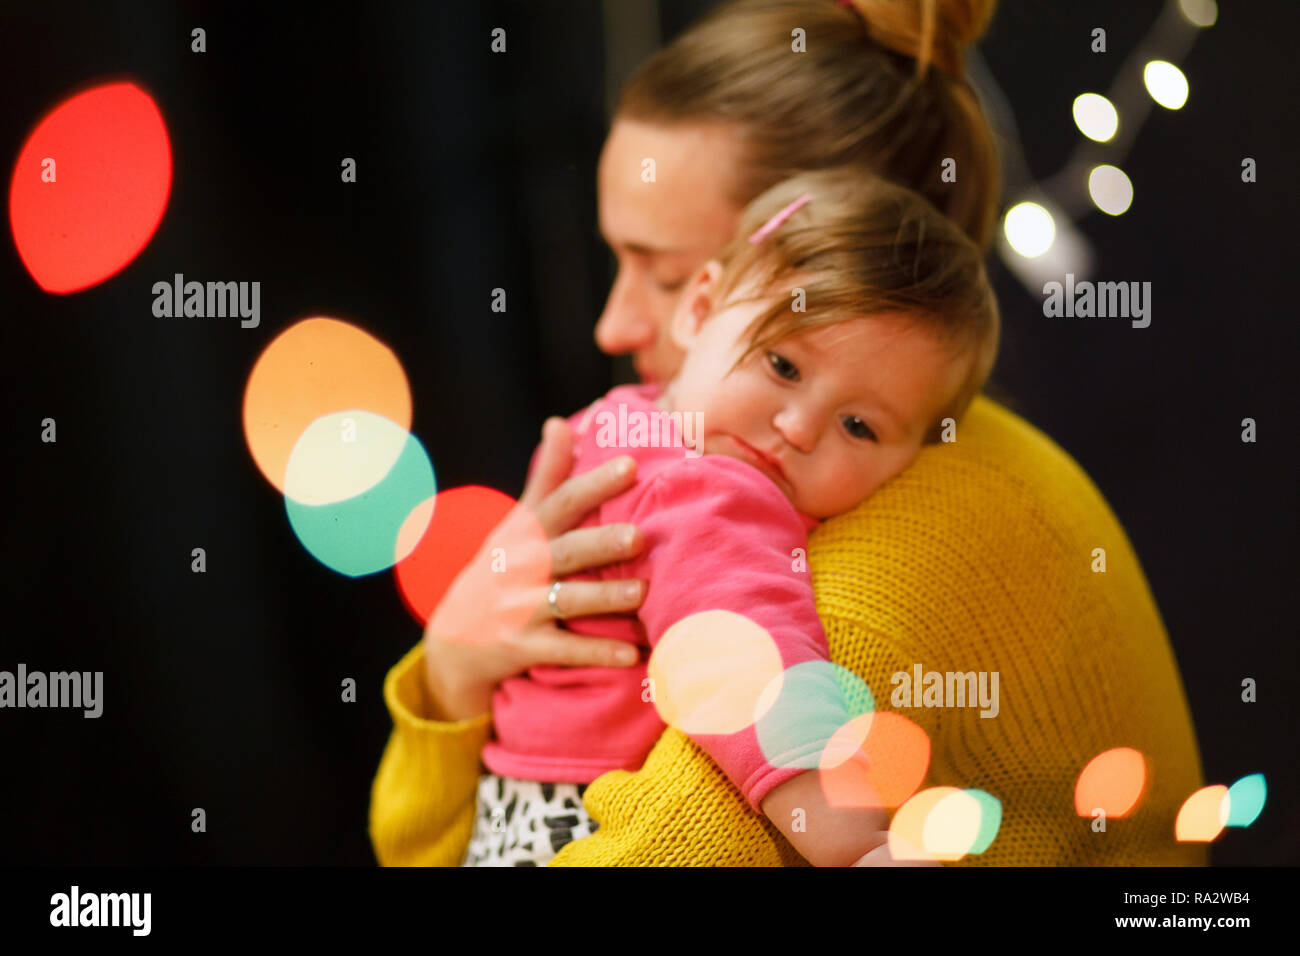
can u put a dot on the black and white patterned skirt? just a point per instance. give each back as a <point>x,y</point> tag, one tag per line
<point>525,823</point>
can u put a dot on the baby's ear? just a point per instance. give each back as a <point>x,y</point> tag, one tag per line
<point>695,304</point>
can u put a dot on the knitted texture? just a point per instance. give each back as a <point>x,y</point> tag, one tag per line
<point>977,558</point>
<point>422,801</point>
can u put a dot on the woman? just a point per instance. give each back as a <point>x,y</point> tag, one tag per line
<point>923,578</point>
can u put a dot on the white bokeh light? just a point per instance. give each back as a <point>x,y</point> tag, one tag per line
<point>1029,229</point>
<point>1201,13</point>
<point>1111,189</point>
<point>1166,84</point>
<point>1095,116</point>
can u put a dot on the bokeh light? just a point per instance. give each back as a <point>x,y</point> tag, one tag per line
<point>1095,116</point>
<point>808,707</point>
<point>342,455</point>
<point>944,824</point>
<point>1111,189</point>
<point>1029,229</point>
<point>874,760</point>
<point>715,672</point>
<point>952,826</point>
<point>1245,800</point>
<point>1112,781</point>
<point>360,534</point>
<point>1201,13</point>
<point>990,821</point>
<point>1203,815</point>
<point>314,368</point>
<point>908,831</point>
<point>478,564</point>
<point>1166,84</point>
<point>111,176</point>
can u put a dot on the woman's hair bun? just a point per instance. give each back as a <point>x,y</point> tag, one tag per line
<point>931,32</point>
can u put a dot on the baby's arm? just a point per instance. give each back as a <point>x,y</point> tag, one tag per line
<point>825,835</point>
<point>726,513</point>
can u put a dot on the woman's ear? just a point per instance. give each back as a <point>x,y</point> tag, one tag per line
<point>698,300</point>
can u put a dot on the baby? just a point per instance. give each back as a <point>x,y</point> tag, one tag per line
<point>847,325</point>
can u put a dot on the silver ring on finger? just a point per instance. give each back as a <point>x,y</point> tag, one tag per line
<point>552,598</point>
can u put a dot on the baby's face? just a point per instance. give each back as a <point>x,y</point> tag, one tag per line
<point>829,414</point>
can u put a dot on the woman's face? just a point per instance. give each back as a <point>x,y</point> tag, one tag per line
<point>662,219</point>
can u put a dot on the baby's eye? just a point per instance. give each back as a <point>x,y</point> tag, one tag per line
<point>858,428</point>
<point>673,286</point>
<point>782,367</point>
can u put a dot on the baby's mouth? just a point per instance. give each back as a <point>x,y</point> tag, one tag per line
<point>765,463</point>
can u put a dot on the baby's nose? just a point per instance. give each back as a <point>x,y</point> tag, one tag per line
<point>797,427</point>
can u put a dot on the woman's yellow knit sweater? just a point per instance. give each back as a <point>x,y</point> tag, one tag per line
<point>980,557</point>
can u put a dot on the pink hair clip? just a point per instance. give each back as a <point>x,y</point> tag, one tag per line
<point>772,224</point>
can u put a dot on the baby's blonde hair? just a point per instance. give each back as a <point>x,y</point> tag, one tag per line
<point>865,248</point>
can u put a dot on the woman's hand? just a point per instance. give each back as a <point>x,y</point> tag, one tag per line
<point>460,677</point>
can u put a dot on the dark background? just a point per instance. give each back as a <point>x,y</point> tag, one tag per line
<point>475,170</point>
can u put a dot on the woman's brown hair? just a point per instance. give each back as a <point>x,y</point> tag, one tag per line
<point>881,85</point>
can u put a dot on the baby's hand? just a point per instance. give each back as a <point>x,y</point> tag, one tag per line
<point>881,856</point>
<point>831,836</point>
<point>826,835</point>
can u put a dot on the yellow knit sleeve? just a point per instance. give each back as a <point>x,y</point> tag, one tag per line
<point>679,809</point>
<point>422,801</point>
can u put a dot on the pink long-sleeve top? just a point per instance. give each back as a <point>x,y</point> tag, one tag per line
<point>719,534</point>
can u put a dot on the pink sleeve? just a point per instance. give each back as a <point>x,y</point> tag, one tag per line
<point>719,534</point>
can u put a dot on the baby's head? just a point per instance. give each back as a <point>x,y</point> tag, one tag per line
<point>828,352</point>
